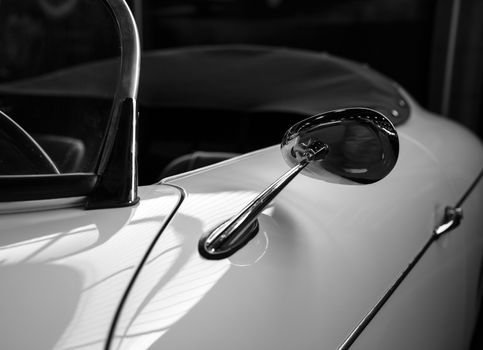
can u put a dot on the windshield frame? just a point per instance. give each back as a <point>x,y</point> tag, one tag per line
<point>105,187</point>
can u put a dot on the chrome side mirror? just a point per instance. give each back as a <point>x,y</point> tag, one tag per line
<point>362,145</point>
<point>358,144</point>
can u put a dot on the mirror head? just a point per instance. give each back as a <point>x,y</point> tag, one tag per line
<point>361,145</point>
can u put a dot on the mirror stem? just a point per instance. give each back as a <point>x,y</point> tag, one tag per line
<point>240,223</point>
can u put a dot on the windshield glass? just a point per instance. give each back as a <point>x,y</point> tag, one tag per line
<point>46,84</point>
<point>251,67</point>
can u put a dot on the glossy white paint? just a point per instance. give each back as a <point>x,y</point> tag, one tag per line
<point>437,304</point>
<point>326,253</point>
<point>435,307</point>
<point>62,272</point>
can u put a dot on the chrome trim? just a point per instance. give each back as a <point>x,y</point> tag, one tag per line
<point>117,166</point>
<point>451,220</point>
<point>358,144</point>
<point>385,297</point>
<point>229,236</point>
<point>470,189</point>
<point>130,49</point>
<point>123,118</point>
<point>363,144</point>
<point>117,187</point>
<point>453,215</point>
<point>127,87</point>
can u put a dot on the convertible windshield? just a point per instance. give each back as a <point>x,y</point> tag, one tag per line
<point>45,92</point>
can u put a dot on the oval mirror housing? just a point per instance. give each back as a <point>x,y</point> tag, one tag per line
<point>356,144</point>
<point>361,145</point>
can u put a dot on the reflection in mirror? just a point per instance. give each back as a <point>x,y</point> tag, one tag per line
<point>358,144</point>
<point>51,55</point>
<point>362,145</point>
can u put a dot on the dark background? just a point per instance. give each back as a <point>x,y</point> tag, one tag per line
<point>433,48</point>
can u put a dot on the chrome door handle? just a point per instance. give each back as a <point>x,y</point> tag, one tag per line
<point>451,220</point>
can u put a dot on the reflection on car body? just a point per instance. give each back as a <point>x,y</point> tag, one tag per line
<point>371,239</point>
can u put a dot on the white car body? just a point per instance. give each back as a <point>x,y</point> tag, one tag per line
<point>324,256</point>
<point>334,264</point>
